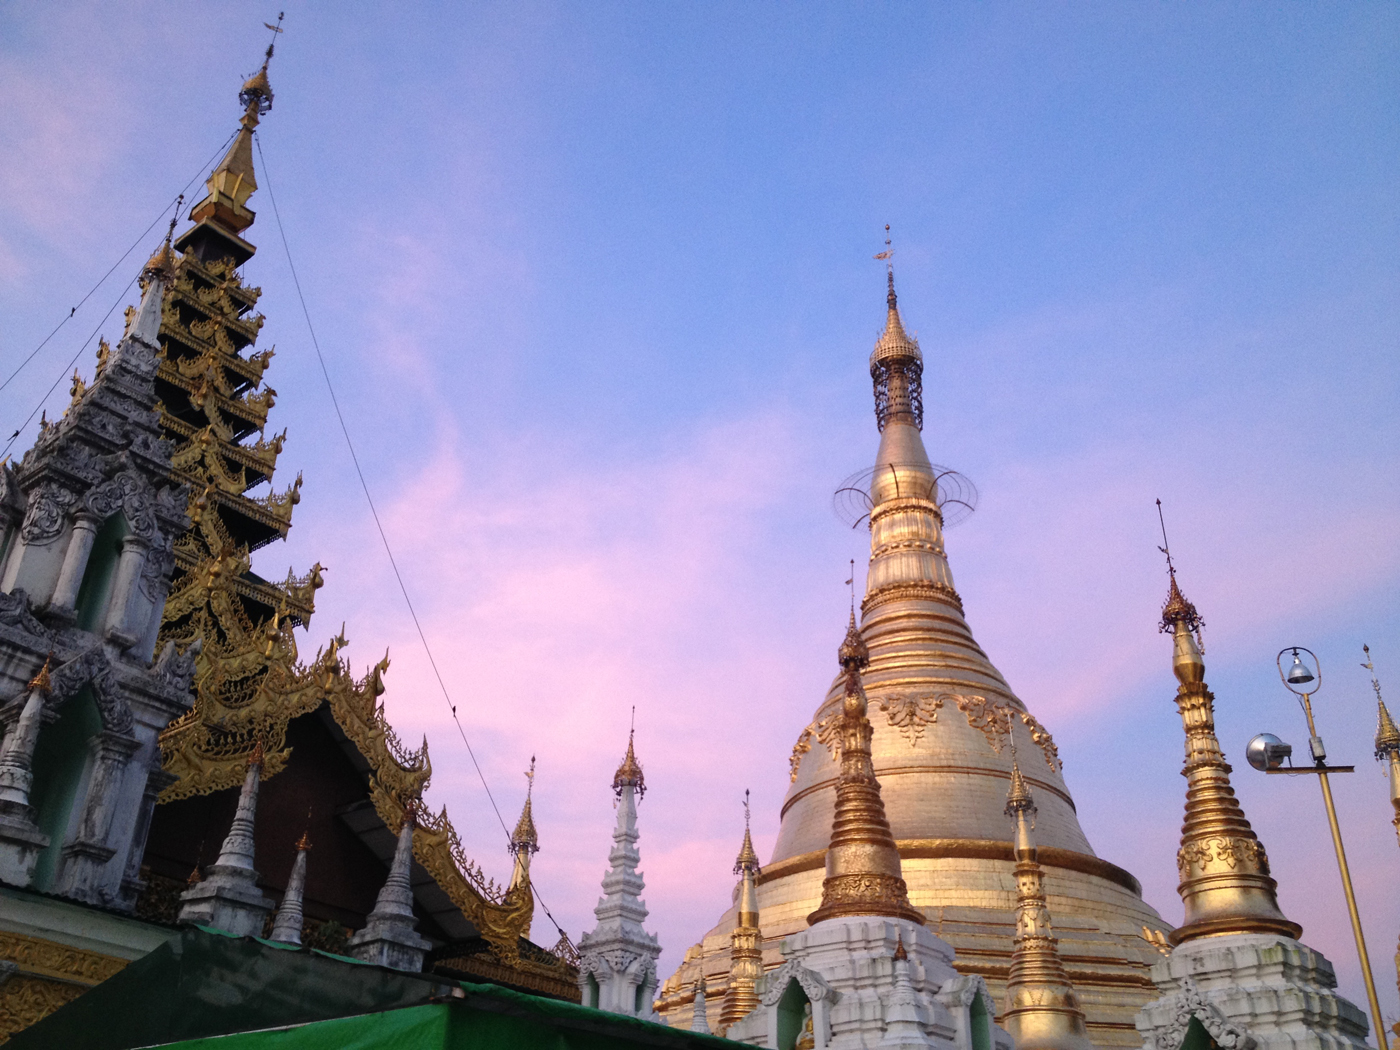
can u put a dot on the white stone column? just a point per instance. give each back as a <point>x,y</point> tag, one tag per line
<point>17,753</point>
<point>75,561</point>
<point>133,558</point>
<point>85,859</point>
<point>146,647</point>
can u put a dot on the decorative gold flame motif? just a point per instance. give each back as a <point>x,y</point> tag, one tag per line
<point>1224,871</point>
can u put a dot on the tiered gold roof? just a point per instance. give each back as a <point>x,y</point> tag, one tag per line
<point>250,681</point>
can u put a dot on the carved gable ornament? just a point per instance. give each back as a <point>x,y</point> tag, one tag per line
<point>95,669</point>
<point>813,984</point>
<point>1187,1004</point>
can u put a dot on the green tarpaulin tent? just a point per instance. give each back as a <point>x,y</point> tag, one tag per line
<point>204,988</point>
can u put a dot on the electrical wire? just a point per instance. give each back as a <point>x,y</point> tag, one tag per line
<point>134,244</point>
<point>379,526</point>
<point>71,364</point>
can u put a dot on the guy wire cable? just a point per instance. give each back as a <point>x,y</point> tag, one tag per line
<point>109,273</point>
<point>383,537</point>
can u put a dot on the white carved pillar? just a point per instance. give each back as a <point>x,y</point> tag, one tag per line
<point>17,753</point>
<point>75,560</point>
<point>158,589</point>
<point>85,857</point>
<point>128,575</point>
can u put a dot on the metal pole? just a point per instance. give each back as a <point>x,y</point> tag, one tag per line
<point>1378,1023</point>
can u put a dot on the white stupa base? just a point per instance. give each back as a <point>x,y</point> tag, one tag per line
<point>841,973</point>
<point>1249,992</point>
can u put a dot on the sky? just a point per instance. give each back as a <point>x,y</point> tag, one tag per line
<point>594,287</point>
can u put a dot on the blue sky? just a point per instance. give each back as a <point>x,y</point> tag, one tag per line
<point>594,284</point>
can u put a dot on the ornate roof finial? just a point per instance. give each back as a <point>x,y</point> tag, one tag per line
<point>853,654</point>
<point>162,263</point>
<point>863,871</point>
<point>629,774</point>
<point>1042,1007</point>
<point>900,953</point>
<point>1018,799</point>
<point>42,681</point>
<point>745,940</point>
<point>232,181</point>
<point>747,861</point>
<point>1387,743</point>
<point>896,365</point>
<point>1176,608</point>
<point>1387,735</point>
<point>525,839</point>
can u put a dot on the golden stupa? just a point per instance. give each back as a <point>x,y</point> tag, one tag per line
<point>943,717</point>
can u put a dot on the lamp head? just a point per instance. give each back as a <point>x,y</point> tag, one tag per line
<point>1299,673</point>
<point>1266,751</point>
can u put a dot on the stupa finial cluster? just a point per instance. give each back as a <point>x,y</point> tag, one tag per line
<point>746,940</point>
<point>863,874</point>
<point>1042,1007</point>
<point>1225,890</point>
<point>617,958</point>
<point>1387,745</point>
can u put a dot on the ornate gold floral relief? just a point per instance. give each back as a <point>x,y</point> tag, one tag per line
<point>47,975</point>
<point>994,720</point>
<point>910,714</point>
<point>27,1000</point>
<point>803,745</point>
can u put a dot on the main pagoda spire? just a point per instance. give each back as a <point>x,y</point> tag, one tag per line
<point>941,716</point>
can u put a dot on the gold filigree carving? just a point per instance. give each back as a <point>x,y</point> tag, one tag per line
<point>41,958</point>
<point>803,745</point>
<point>910,714</point>
<point>993,720</point>
<point>48,975</point>
<point>1200,855</point>
<point>1042,739</point>
<point>27,1000</point>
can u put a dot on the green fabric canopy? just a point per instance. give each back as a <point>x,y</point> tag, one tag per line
<point>474,1024</point>
<point>205,988</point>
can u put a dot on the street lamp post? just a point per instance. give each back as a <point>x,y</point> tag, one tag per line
<point>1266,752</point>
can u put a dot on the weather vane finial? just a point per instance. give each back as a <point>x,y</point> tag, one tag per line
<point>1165,548</point>
<point>275,30</point>
<point>888,254</point>
<point>1370,666</point>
